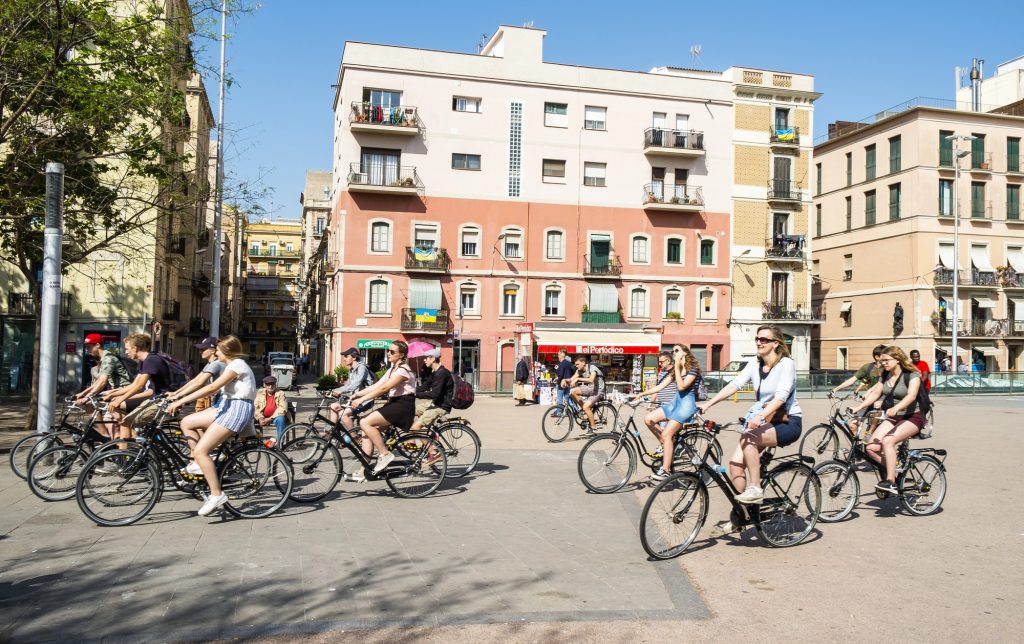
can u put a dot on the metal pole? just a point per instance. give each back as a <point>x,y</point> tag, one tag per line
<point>49,310</point>
<point>956,256</point>
<point>219,205</point>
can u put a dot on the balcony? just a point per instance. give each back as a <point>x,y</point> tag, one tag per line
<point>683,143</point>
<point>431,260</point>
<point>199,326</point>
<point>203,238</point>
<point>274,252</point>
<point>1009,278</point>
<point>603,317</point>
<point>1013,166</point>
<point>785,247</point>
<point>606,267</point>
<point>424,320</point>
<point>270,313</point>
<point>24,305</point>
<point>784,192</point>
<point>994,328</point>
<point>981,163</point>
<point>784,137</point>
<point>327,321</point>
<point>201,286</point>
<point>176,246</point>
<point>682,198</point>
<point>786,313</point>
<point>171,310</point>
<point>973,277</point>
<point>402,120</point>
<point>384,179</point>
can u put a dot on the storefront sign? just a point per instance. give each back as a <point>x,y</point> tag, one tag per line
<point>600,349</point>
<point>70,347</point>
<point>525,327</point>
<point>373,344</point>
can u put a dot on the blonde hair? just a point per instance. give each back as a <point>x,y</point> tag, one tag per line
<point>901,357</point>
<point>691,361</point>
<point>231,347</point>
<point>780,340</point>
<point>141,341</point>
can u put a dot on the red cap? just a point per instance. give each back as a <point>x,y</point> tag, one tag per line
<point>94,338</point>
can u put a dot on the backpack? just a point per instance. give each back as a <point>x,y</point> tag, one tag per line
<point>179,373</point>
<point>702,388</point>
<point>462,393</point>
<point>129,365</point>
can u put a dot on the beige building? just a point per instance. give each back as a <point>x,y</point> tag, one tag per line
<point>273,253</point>
<point>886,196</point>
<point>316,212</point>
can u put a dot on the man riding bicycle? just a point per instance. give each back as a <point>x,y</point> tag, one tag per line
<point>433,392</point>
<point>587,387</point>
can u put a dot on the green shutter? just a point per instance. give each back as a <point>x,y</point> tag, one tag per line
<point>977,151</point>
<point>706,254</point>
<point>869,208</point>
<point>1013,155</point>
<point>1013,202</point>
<point>978,200</point>
<point>869,162</point>
<point>895,152</point>
<point>894,202</point>
<point>945,149</point>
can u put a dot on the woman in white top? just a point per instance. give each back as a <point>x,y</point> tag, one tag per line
<point>775,418</point>
<point>400,410</point>
<point>234,414</point>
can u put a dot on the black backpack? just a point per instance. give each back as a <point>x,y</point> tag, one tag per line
<point>462,393</point>
<point>179,373</point>
<point>129,365</point>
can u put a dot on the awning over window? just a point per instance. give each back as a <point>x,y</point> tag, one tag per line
<point>425,294</point>
<point>1018,308</point>
<point>979,257</point>
<point>984,302</point>
<point>847,306</point>
<point>987,351</point>
<point>946,257</point>
<point>604,298</point>
<point>1015,258</point>
<point>599,341</point>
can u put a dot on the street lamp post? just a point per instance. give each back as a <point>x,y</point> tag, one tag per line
<point>957,155</point>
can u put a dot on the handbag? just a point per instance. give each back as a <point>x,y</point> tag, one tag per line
<point>780,417</point>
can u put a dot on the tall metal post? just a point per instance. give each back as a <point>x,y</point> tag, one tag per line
<point>954,360</point>
<point>218,209</point>
<point>49,309</point>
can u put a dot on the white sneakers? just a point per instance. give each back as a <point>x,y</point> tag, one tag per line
<point>194,469</point>
<point>383,462</point>
<point>212,503</point>
<point>753,494</point>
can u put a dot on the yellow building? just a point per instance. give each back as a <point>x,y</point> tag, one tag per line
<point>273,252</point>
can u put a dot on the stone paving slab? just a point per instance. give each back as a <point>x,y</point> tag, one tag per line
<point>523,543</point>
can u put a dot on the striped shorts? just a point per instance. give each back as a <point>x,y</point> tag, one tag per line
<point>233,414</point>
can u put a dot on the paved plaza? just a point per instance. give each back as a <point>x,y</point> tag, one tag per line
<point>518,551</point>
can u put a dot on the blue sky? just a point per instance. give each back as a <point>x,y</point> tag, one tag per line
<point>865,56</point>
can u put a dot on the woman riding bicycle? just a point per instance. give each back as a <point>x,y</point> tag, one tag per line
<point>685,378</point>
<point>234,414</point>
<point>897,388</point>
<point>400,410</point>
<point>775,418</point>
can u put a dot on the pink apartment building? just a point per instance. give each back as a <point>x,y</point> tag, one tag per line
<point>476,193</point>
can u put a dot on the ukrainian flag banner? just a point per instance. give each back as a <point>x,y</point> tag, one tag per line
<point>426,315</point>
<point>424,254</point>
<point>785,134</point>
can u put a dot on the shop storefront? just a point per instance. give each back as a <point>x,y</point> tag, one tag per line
<point>627,354</point>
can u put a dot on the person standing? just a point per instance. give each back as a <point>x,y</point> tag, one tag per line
<point>522,377</point>
<point>271,406</point>
<point>563,374</point>
<point>922,367</point>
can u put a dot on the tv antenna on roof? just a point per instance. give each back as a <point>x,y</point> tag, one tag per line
<point>483,41</point>
<point>695,52</point>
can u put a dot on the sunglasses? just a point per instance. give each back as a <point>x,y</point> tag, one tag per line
<point>393,351</point>
<point>761,340</point>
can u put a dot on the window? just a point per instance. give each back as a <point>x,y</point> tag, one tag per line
<point>979,208</point>
<point>847,268</point>
<point>849,213</point>
<point>466,104</point>
<point>869,208</point>
<point>254,249</point>
<point>706,304</point>
<point>978,159</point>
<point>380,237</point>
<point>817,184</point>
<point>1012,154</point>
<point>781,118</point>
<point>593,173</point>
<point>468,299</point>
<point>554,169</point>
<point>1013,202</point>
<point>553,300</point>
<point>849,168</point>
<point>894,201</point>
<point>515,148</point>
<point>556,114</point>
<point>594,117</point>
<point>320,223</point>
<point>289,248</point>
<point>817,220</point>
<point>462,161</point>
<point>273,250</point>
<point>869,163</point>
<point>641,249</point>
<point>673,307</point>
<point>638,303</point>
<point>945,197</point>
<point>674,251</point>
<point>380,300</point>
<point>378,167</point>
<point>510,299</point>
<point>554,245</point>
<point>846,313</point>
<point>945,149</point>
<point>513,245</point>
<point>895,154</point>
<point>707,252</point>
<point>470,244</point>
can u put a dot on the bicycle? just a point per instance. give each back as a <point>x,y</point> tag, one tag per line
<point>823,440</point>
<point>420,462</point>
<point>920,478</point>
<point>608,461</point>
<point>558,421</point>
<point>118,487</point>
<point>678,507</point>
<point>59,434</point>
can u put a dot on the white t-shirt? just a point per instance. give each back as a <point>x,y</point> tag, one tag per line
<point>244,386</point>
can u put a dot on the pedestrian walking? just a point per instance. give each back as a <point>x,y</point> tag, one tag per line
<point>522,377</point>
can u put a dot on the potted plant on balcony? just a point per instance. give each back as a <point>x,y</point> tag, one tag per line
<point>674,200</point>
<point>408,182</point>
<point>674,315</point>
<point>651,197</point>
<point>936,319</point>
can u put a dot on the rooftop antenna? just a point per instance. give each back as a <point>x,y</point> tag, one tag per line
<point>695,52</point>
<point>483,41</point>
<point>528,25</point>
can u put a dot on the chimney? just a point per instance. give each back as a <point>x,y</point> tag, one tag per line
<point>976,67</point>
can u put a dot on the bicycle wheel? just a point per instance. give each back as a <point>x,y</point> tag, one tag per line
<point>691,444</point>
<point>462,447</point>
<point>606,463</point>
<point>792,502</point>
<point>53,473</point>
<point>316,466</point>
<point>256,479</point>
<point>419,467</point>
<point>297,430</point>
<point>840,490</point>
<point>922,486</point>
<point>820,442</point>
<point>29,447</point>
<point>673,515</point>
<point>557,423</point>
<point>606,415</point>
<point>118,487</point>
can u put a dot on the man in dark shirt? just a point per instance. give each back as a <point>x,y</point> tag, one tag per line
<point>563,374</point>
<point>433,391</point>
<point>154,378</point>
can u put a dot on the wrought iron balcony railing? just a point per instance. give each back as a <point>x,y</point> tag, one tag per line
<point>365,113</point>
<point>656,137</point>
<point>424,320</point>
<point>601,267</point>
